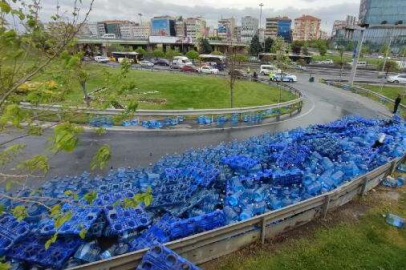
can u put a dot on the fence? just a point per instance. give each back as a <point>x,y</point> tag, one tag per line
<point>358,89</point>
<point>207,246</point>
<point>151,113</point>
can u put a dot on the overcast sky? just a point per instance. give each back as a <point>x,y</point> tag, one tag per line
<point>212,10</point>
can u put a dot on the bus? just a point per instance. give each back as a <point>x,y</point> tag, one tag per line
<point>132,56</point>
<point>217,61</point>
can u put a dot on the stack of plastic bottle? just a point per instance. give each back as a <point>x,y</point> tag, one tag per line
<point>101,121</point>
<point>199,190</point>
<point>203,120</point>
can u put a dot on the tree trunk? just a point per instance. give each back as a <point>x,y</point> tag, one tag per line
<point>86,96</point>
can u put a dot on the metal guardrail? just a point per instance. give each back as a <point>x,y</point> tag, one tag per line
<point>367,91</point>
<point>112,112</point>
<point>213,244</point>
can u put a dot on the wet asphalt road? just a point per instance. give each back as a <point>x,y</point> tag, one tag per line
<point>322,104</point>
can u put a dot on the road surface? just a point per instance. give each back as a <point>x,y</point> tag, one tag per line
<point>322,104</point>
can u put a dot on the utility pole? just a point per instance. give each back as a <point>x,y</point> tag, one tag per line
<point>260,21</point>
<point>356,58</point>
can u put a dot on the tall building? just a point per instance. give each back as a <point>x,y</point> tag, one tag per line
<point>141,31</point>
<point>271,27</point>
<point>306,28</point>
<point>278,27</point>
<point>237,33</point>
<point>180,28</point>
<point>350,21</point>
<point>377,12</point>
<point>113,27</point>
<point>163,26</point>
<point>226,28</point>
<point>89,30</point>
<point>249,28</point>
<point>196,28</point>
<point>323,35</point>
<point>284,28</point>
<point>126,30</point>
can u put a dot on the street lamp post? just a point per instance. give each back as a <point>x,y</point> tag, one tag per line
<point>356,58</point>
<point>390,44</point>
<point>260,21</point>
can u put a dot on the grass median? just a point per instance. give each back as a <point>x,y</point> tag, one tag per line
<point>353,237</point>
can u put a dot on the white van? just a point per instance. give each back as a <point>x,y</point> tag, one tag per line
<point>180,61</point>
<point>266,69</point>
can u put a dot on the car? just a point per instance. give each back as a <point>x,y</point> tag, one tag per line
<point>208,70</point>
<point>400,78</point>
<point>101,59</point>
<point>180,61</point>
<point>284,77</point>
<point>162,62</point>
<point>189,68</point>
<point>267,69</point>
<point>146,64</point>
<point>237,73</point>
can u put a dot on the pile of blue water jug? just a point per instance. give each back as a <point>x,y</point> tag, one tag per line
<point>155,124</point>
<point>199,190</point>
<point>101,121</point>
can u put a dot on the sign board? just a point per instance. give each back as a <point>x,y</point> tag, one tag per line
<point>170,40</point>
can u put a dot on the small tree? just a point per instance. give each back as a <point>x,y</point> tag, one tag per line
<point>171,53</point>
<point>281,58</point>
<point>341,62</point>
<point>268,44</point>
<point>141,51</point>
<point>297,46</point>
<point>204,46</point>
<point>305,49</point>
<point>322,49</point>
<point>255,47</point>
<point>158,53</point>
<point>217,53</point>
<point>193,55</point>
<point>390,66</point>
<point>385,49</point>
<point>240,58</point>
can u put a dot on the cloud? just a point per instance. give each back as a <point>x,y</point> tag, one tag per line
<point>127,9</point>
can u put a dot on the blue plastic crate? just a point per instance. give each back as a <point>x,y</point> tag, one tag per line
<point>162,258</point>
<point>11,230</point>
<point>123,220</point>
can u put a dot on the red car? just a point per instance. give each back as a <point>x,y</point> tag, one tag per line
<point>188,69</point>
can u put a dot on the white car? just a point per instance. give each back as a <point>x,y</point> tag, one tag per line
<point>101,59</point>
<point>284,77</point>
<point>208,70</point>
<point>400,78</point>
<point>146,64</point>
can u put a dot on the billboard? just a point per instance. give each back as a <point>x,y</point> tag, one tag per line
<point>222,29</point>
<point>160,27</point>
<point>169,40</point>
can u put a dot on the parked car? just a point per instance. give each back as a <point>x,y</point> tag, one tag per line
<point>101,59</point>
<point>146,64</point>
<point>400,78</point>
<point>237,73</point>
<point>189,69</point>
<point>180,61</point>
<point>208,70</point>
<point>162,62</point>
<point>266,69</point>
<point>284,77</point>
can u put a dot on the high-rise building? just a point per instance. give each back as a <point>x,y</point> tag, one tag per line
<point>196,28</point>
<point>226,28</point>
<point>101,29</point>
<point>323,35</point>
<point>237,33</point>
<point>249,28</point>
<point>278,27</point>
<point>338,24</point>
<point>306,28</point>
<point>89,30</point>
<point>113,27</point>
<point>284,29</point>
<point>126,30</point>
<point>180,27</point>
<point>141,31</point>
<point>163,26</point>
<point>351,20</point>
<point>378,12</point>
<point>271,27</point>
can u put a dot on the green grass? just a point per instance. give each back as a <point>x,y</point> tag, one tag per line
<point>183,91</point>
<point>388,91</point>
<point>366,244</point>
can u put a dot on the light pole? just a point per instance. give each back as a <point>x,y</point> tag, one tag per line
<point>260,21</point>
<point>356,58</point>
